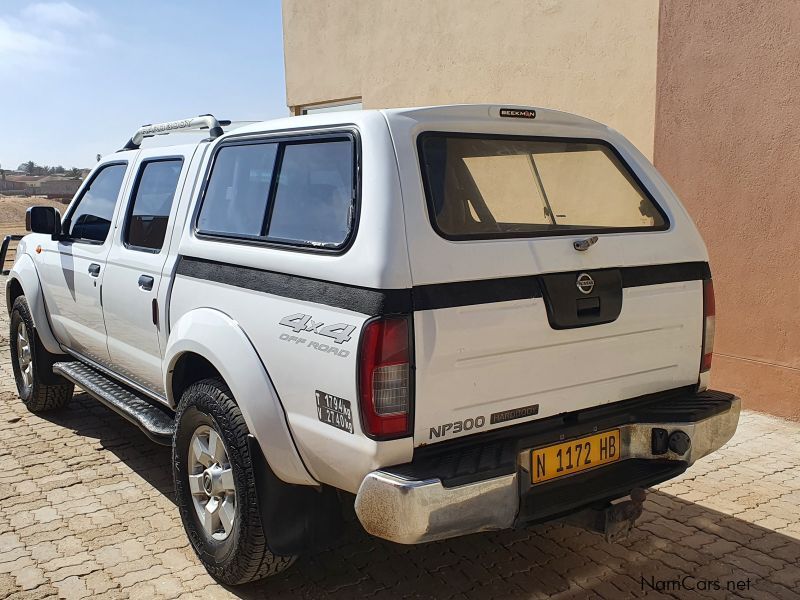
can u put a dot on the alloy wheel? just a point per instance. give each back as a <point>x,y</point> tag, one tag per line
<point>211,483</point>
<point>24,357</point>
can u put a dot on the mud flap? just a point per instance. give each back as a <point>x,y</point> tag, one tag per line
<point>45,361</point>
<point>614,521</point>
<point>295,518</point>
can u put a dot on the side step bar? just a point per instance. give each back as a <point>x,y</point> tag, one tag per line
<point>156,422</point>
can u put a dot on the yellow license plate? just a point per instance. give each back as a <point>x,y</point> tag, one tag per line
<point>574,456</point>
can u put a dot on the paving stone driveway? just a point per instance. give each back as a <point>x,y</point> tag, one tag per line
<point>86,510</point>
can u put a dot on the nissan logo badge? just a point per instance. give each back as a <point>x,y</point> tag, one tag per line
<point>585,283</point>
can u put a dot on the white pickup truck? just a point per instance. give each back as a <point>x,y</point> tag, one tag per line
<point>460,318</point>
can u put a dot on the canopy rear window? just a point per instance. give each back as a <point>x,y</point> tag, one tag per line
<point>483,187</point>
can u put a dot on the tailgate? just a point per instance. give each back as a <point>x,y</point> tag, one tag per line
<point>491,365</point>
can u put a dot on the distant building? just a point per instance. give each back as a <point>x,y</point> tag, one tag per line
<point>52,186</point>
<point>6,185</point>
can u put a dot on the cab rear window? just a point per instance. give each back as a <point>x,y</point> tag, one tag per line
<point>483,187</point>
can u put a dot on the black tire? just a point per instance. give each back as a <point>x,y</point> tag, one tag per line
<point>244,555</point>
<point>44,391</point>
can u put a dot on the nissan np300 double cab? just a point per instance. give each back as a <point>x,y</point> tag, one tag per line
<point>468,317</point>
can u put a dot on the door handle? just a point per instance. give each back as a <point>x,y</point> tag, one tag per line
<point>94,270</point>
<point>145,282</point>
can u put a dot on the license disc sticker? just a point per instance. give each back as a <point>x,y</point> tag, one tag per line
<point>334,411</point>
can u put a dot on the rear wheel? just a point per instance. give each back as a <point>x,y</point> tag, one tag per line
<point>30,371</point>
<point>215,487</point>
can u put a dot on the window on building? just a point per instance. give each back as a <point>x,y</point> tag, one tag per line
<point>149,211</point>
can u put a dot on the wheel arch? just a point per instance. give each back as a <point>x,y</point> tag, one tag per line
<point>206,342</point>
<point>189,368</point>
<point>23,280</point>
<point>13,291</point>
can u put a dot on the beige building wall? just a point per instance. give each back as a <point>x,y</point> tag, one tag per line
<point>596,59</point>
<point>727,131</point>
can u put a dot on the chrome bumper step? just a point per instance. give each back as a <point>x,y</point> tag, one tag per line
<point>467,493</point>
<point>156,422</point>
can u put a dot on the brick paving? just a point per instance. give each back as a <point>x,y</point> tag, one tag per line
<point>86,511</point>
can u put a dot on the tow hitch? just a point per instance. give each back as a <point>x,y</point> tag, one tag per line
<point>615,521</point>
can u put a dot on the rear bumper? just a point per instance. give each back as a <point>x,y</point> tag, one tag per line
<point>461,491</point>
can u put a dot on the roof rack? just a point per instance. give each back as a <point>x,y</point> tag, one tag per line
<point>193,123</point>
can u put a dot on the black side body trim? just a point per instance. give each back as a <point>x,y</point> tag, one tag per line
<point>376,302</point>
<point>481,291</point>
<point>669,273</point>
<point>364,300</point>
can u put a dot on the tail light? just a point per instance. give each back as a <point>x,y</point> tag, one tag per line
<point>385,378</point>
<point>709,312</point>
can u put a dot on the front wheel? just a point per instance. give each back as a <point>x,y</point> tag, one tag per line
<point>215,487</point>
<point>29,374</point>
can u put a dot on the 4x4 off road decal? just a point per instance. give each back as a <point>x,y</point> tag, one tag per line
<point>334,411</point>
<point>300,323</point>
<point>340,332</point>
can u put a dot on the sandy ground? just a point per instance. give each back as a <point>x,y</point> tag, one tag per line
<point>12,217</point>
<point>12,211</point>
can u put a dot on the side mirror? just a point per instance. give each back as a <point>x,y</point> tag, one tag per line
<point>43,219</point>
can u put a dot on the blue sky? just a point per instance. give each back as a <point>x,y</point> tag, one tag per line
<point>78,77</point>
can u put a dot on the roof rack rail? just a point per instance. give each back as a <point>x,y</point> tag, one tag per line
<point>193,123</point>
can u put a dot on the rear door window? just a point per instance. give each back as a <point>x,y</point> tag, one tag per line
<point>90,220</point>
<point>154,193</point>
<point>488,187</point>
